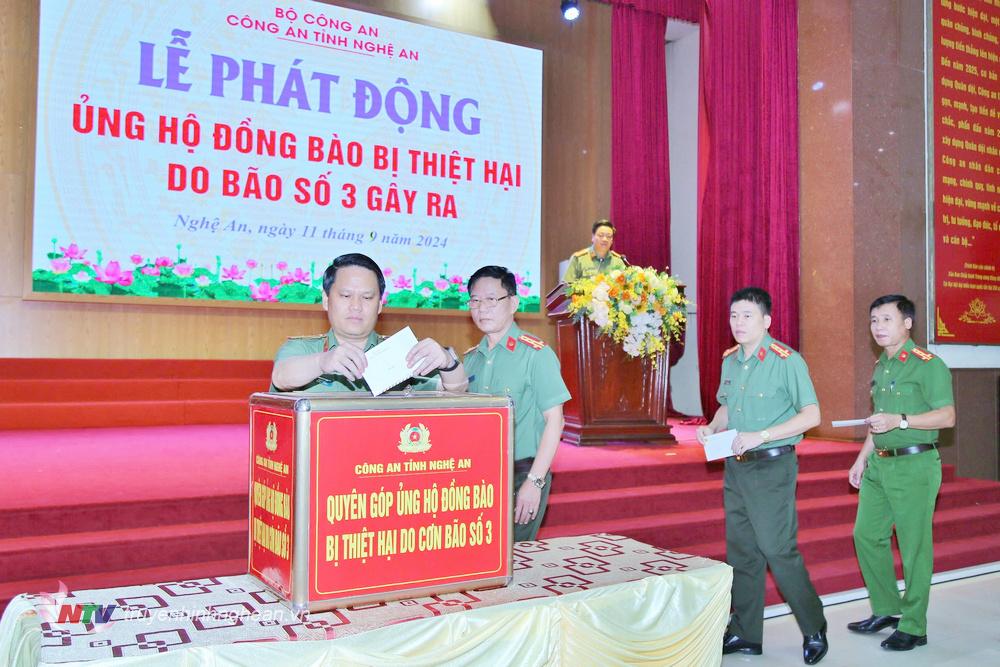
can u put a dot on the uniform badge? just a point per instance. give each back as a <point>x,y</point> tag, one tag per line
<point>511,343</point>
<point>780,350</point>
<point>903,356</point>
<point>921,354</point>
<point>761,353</point>
<point>531,341</point>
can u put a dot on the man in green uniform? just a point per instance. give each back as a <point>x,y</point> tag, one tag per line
<point>335,361</point>
<point>598,258</point>
<point>765,394</point>
<point>898,472</point>
<point>510,362</point>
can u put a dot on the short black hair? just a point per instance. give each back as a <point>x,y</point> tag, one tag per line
<point>501,273</point>
<point>753,295</point>
<point>603,222</point>
<point>353,259</point>
<point>905,306</point>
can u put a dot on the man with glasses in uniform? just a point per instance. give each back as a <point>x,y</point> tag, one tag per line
<point>598,258</point>
<point>510,362</point>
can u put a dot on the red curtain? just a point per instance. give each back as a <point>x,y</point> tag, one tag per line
<point>748,231</point>
<point>640,169</point>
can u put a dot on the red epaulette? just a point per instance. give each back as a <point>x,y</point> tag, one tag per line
<point>780,350</point>
<point>923,355</point>
<point>730,351</point>
<point>531,341</point>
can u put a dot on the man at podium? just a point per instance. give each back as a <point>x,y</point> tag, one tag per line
<point>335,361</point>
<point>510,362</point>
<point>598,258</point>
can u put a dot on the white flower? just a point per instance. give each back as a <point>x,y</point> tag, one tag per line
<point>600,313</point>
<point>600,292</point>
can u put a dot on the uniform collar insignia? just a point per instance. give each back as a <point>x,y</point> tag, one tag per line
<point>761,353</point>
<point>511,343</point>
<point>903,356</point>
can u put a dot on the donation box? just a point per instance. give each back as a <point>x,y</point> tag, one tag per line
<point>356,499</point>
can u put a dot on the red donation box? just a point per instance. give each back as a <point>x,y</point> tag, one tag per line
<point>362,499</point>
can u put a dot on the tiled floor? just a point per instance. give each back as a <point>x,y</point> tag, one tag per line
<point>963,629</point>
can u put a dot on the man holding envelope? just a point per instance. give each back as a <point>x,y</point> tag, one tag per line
<point>898,472</point>
<point>353,286</point>
<point>511,362</point>
<point>767,398</point>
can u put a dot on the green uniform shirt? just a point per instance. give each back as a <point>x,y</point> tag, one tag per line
<point>526,369</point>
<point>302,345</point>
<point>912,382</point>
<point>586,264</point>
<point>767,389</point>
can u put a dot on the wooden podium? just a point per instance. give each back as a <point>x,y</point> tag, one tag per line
<point>615,397</point>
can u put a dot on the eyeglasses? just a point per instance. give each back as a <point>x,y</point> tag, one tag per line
<point>489,302</point>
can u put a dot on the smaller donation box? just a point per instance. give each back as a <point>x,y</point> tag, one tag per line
<point>362,499</point>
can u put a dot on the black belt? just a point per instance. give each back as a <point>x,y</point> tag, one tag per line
<point>906,451</point>
<point>523,465</point>
<point>769,453</point>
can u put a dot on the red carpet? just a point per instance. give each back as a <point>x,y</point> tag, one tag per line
<point>116,506</point>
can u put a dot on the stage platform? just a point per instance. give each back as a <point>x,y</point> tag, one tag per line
<point>594,599</point>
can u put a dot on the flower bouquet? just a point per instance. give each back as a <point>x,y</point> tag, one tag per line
<point>640,308</point>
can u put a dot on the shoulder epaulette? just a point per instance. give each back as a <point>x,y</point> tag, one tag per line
<point>531,341</point>
<point>470,350</point>
<point>922,354</point>
<point>780,350</point>
<point>313,337</point>
<point>730,351</point>
<point>581,253</point>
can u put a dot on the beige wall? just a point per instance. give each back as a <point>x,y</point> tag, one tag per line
<point>575,182</point>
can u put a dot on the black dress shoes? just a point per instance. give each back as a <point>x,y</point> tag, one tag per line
<point>814,646</point>
<point>873,624</point>
<point>903,641</point>
<point>733,644</point>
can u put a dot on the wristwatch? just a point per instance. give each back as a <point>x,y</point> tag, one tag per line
<point>765,436</point>
<point>903,424</point>
<point>454,361</point>
<point>539,482</point>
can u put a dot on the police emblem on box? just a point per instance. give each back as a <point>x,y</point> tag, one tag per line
<point>414,439</point>
<point>271,437</point>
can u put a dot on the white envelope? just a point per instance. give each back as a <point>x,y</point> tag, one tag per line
<point>841,423</point>
<point>387,361</point>
<point>720,445</point>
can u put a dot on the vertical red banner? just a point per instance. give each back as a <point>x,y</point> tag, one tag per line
<point>965,55</point>
<point>404,501</point>
<point>272,496</point>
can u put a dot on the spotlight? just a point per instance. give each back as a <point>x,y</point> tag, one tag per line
<point>570,9</point>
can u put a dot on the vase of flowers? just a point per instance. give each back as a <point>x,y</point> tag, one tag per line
<point>640,308</point>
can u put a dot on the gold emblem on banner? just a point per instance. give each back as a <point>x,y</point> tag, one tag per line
<point>271,437</point>
<point>414,439</point>
<point>977,313</point>
<point>942,328</point>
